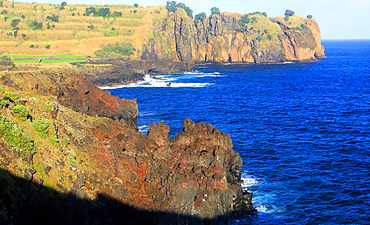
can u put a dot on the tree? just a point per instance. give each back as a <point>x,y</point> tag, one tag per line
<point>289,12</point>
<point>63,4</point>
<point>245,19</point>
<point>309,16</point>
<point>171,6</point>
<point>215,10</point>
<point>15,22</point>
<point>118,49</point>
<point>201,16</point>
<point>264,14</point>
<point>136,5</point>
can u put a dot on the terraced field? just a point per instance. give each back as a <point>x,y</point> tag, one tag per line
<point>46,29</point>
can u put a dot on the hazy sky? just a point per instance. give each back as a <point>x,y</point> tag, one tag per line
<point>338,19</point>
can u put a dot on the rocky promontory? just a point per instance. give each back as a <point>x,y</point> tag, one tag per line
<point>71,154</point>
<point>227,39</point>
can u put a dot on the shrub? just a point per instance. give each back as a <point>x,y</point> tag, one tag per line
<point>65,141</point>
<point>14,135</point>
<point>289,12</point>
<point>259,38</point>
<point>35,25</point>
<point>53,141</point>
<point>245,19</point>
<point>91,26</point>
<point>4,12</point>
<point>136,5</point>
<point>48,107</point>
<point>286,18</point>
<point>118,49</point>
<point>21,112</point>
<point>201,16</point>
<point>309,16</point>
<point>264,14</point>
<point>269,37</point>
<point>42,127</point>
<point>215,10</point>
<point>47,46</point>
<point>15,22</point>
<point>135,11</point>
<point>72,156</point>
<point>32,46</point>
<point>53,18</point>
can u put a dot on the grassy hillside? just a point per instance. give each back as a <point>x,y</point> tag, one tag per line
<point>46,29</point>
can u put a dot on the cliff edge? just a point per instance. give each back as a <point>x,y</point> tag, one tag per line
<point>72,154</point>
<point>228,39</point>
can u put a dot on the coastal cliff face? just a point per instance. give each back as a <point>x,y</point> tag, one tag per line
<point>72,154</point>
<point>225,39</point>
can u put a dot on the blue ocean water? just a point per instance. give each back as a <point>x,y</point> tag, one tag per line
<point>302,129</point>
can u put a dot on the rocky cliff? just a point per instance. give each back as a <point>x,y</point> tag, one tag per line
<point>226,39</point>
<point>71,154</point>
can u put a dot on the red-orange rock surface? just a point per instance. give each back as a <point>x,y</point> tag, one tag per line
<point>102,170</point>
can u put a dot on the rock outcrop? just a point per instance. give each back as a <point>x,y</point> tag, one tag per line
<point>125,70</point>
<point>90,164</point>
<point>225,39</point>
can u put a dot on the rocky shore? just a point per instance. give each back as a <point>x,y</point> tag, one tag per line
<point>75,156</point>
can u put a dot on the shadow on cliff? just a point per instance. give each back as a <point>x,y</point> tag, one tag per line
<point>24,202</point>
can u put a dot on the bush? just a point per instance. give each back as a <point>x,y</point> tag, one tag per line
<point>118,49</point>
<point>72,156</point>
<point>264,14</point>
<point>47,46</point>
<point>4,12</point>
<point>14,135</point>
<point>259,38</point>
<point>289,12</point>
<point>91,26</point>
<point>15,22</point>
<point>286,18</point>
<point>54,141</point>
<point>309,16</point>
<point>201,16</point>
<point>245,19</point>
<point>35,25</point>
<point>53,18</point>
<point>215,10</point>
<point>21,110</point>
<point>42,127</point>
<point>136,5</point>
<point>269,37</point>
<point>48,107</point>
<point>172,6</point>
<point>32,46</point>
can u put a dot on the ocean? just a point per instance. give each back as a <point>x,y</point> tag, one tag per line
<point>302,129</point>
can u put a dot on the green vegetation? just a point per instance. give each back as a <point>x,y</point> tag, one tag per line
<point>215,10</point>
<point>309,16</point>
<point>65,141</point>
<point>201,16</point>
<point>48,107</point>
<point>14,136</point>
<point>172,6</point>
<point>21,112</point>
<point>289,12</point>
<point>35,25</point>
<point>72,156</point>
<point>42,127</point>
<point>118,49</point>
<point>53,141</point>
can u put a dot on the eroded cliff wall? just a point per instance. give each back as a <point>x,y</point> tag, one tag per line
<point>225,39</point>
<point>70,153</point>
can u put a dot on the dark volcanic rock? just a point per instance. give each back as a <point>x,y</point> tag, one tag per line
<point>125,70</point>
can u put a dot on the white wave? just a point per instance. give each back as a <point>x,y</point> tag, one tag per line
<point>144,129</point>
<point>288,62</point>
<point>269,208</point>
<point>248,181</point>
<point>142,114</point>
